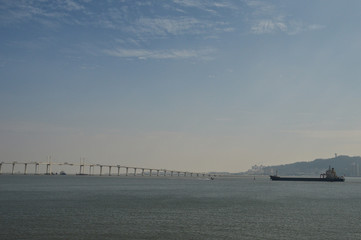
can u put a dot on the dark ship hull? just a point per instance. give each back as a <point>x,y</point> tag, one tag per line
<point>305,179</point>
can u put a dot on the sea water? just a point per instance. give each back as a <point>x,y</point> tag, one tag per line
<point>91,207</point>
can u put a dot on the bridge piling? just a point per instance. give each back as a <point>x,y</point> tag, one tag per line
<point>47,169</point>
<point>82,170</point>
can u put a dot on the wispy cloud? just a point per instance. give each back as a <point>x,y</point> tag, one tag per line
<point>260,8</point>
<point>142,18</point>
<point>264,26</point>
<point>266,18</point>
<point>268,26</point>
<point>139,24</point>
<point>206,5</point>
<point>165,26</point>
<point>162,27</point>
<point>40,11</point>
<point>197,16</point>
<point>203,54</point>
<point>72,5</point>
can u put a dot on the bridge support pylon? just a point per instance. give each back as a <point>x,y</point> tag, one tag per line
<point>12,170</point>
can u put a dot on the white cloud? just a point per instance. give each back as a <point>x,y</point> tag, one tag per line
<point>163,26</point>
<point>205,5</point>
<point>264,26</point>
<point>70,5</point>
<point>40,11</point>
<point>261,8</point>
<point>268,26</point>
<point>266,18</point>
<point>160,54</point>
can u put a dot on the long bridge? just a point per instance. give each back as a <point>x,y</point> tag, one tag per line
<point>129,171</point>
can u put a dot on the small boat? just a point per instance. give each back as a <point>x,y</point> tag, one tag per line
<point>329,176</point>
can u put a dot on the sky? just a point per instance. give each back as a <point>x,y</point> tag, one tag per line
<point>193,85</point>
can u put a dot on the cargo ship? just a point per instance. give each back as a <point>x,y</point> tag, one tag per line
<point>329,176</point>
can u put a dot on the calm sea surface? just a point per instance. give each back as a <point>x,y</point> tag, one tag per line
<point>90,207</point>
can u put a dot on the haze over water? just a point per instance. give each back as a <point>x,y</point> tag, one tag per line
<point>84,207</point>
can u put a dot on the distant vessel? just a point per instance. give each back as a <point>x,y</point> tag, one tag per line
<point>329,176</point>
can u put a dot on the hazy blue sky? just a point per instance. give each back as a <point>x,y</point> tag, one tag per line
<point>180,84</point>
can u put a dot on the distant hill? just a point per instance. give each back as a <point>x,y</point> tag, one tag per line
<point>344,165</point>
